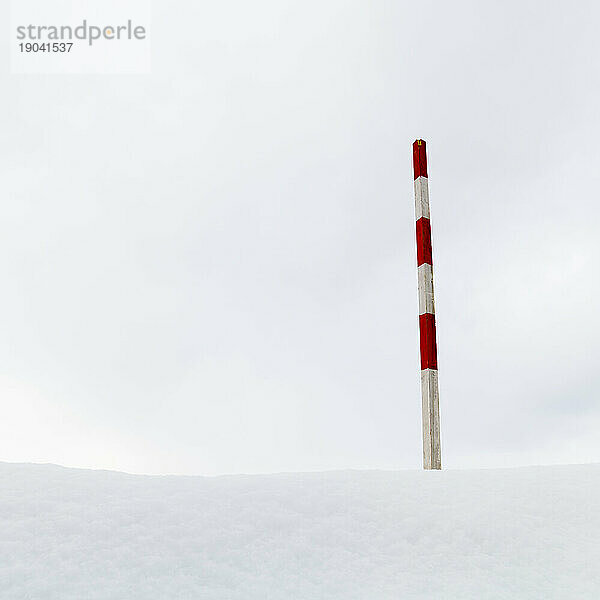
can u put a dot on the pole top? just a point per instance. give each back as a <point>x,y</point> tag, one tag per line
<point>419,158</point>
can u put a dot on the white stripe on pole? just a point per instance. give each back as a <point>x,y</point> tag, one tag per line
<point>421,197</point>
<point>432,455</point>
<point>426,302</point>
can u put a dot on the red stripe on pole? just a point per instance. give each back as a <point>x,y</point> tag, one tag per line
<point>428,344</point>
<point>419,159</point>
<point>424,242</point>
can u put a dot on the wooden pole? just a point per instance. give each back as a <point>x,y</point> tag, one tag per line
<point>432,452</point>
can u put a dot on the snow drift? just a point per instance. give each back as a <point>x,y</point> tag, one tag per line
<point>513,533</point>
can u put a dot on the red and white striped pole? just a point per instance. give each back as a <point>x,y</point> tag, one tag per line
<point>432,454</point>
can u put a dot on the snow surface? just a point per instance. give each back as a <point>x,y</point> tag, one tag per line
<point>513,533</point>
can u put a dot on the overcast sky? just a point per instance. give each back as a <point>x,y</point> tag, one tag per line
<point>212,268</point>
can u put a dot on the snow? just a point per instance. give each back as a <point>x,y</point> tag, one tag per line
<point>486,534</point>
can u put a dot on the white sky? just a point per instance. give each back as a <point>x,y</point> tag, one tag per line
<point>212,268</point>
